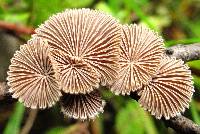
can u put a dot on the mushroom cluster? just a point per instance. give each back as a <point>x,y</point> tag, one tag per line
<point>76,51</point>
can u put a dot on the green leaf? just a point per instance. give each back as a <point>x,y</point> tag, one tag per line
<point>19,18</point>
<point>181,41</point>
<point>196,80</point>
<point>1,11</point>
<point>115,5</point>
<point>43,9</point>
<point>104,7</point>
<point>150,127</point>
<point>133,120</point>
<point>136,7</point>
<point>72,129</point>
<point>78,3</point>
<point>194,112</point>
<point>13,125</point>
<point>194,64</point>
<point>124,16</point>
<point>56,130</point>
<point>113,8</point>
<point>159,22</point>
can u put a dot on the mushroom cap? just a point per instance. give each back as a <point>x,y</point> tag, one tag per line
<point>73,73</point>
<point>82,106</point>
<point>141,52</point>
<point>31,77</point>
<point>90,36</point>
<point>170,91</point>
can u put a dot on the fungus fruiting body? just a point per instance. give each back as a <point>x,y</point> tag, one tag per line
<point>82,106</point>
<point>170,90</point>
<point>78,50</point>
<point>31,76</point>
<point>89,40</point>
<point>141,52</point>
<point>75,75</point>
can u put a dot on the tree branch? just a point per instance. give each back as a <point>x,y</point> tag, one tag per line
<point>3,90</point>
<point>182,125</point>
<point>16,28</point>
<point>29,122</point>
<point>185,52</point>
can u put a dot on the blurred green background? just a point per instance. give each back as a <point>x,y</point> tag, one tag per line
<point>178,21</point>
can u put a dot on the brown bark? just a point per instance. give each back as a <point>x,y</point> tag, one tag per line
<point>185,52</point>
<point>16,28</point>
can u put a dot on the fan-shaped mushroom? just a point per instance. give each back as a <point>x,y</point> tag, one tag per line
<point>170,90</point>
<point>141,51</point>
<point>83,41</point>
<point>31,76</point>
<point>82,106</point>
<point>75,75</point>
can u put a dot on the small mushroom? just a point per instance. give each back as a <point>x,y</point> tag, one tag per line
<point>170,90</point>
<point>74,74</point>
<point>31,77</point>
<point>82,106</point>
<point>84,45</point>
<point>141,52</point>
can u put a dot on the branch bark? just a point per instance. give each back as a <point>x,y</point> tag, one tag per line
<point>185,52</point>
<point>3,90</point>
<point>16,28</point>
<point>182,125</point>
<point>29,122</point>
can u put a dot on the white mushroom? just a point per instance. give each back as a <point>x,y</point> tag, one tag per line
<point>141,52</point>
<point>82,106</point>
<point>170,90</point>
<point>31,76</point>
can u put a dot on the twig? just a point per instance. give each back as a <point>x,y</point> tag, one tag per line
<point>185,52</point>
<point>29,122</point>
<point>78,128</point>
<point>183,125</point>
<point>16,28</point>
<point>3,90</point>
<point>95,126</point>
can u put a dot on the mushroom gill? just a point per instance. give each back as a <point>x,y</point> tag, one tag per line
<point>170,90</point>
<point>31,77</point>
<point>82,106</point>
<point>87,37</point>
<point>76,75</point>
<point>141,52</point>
